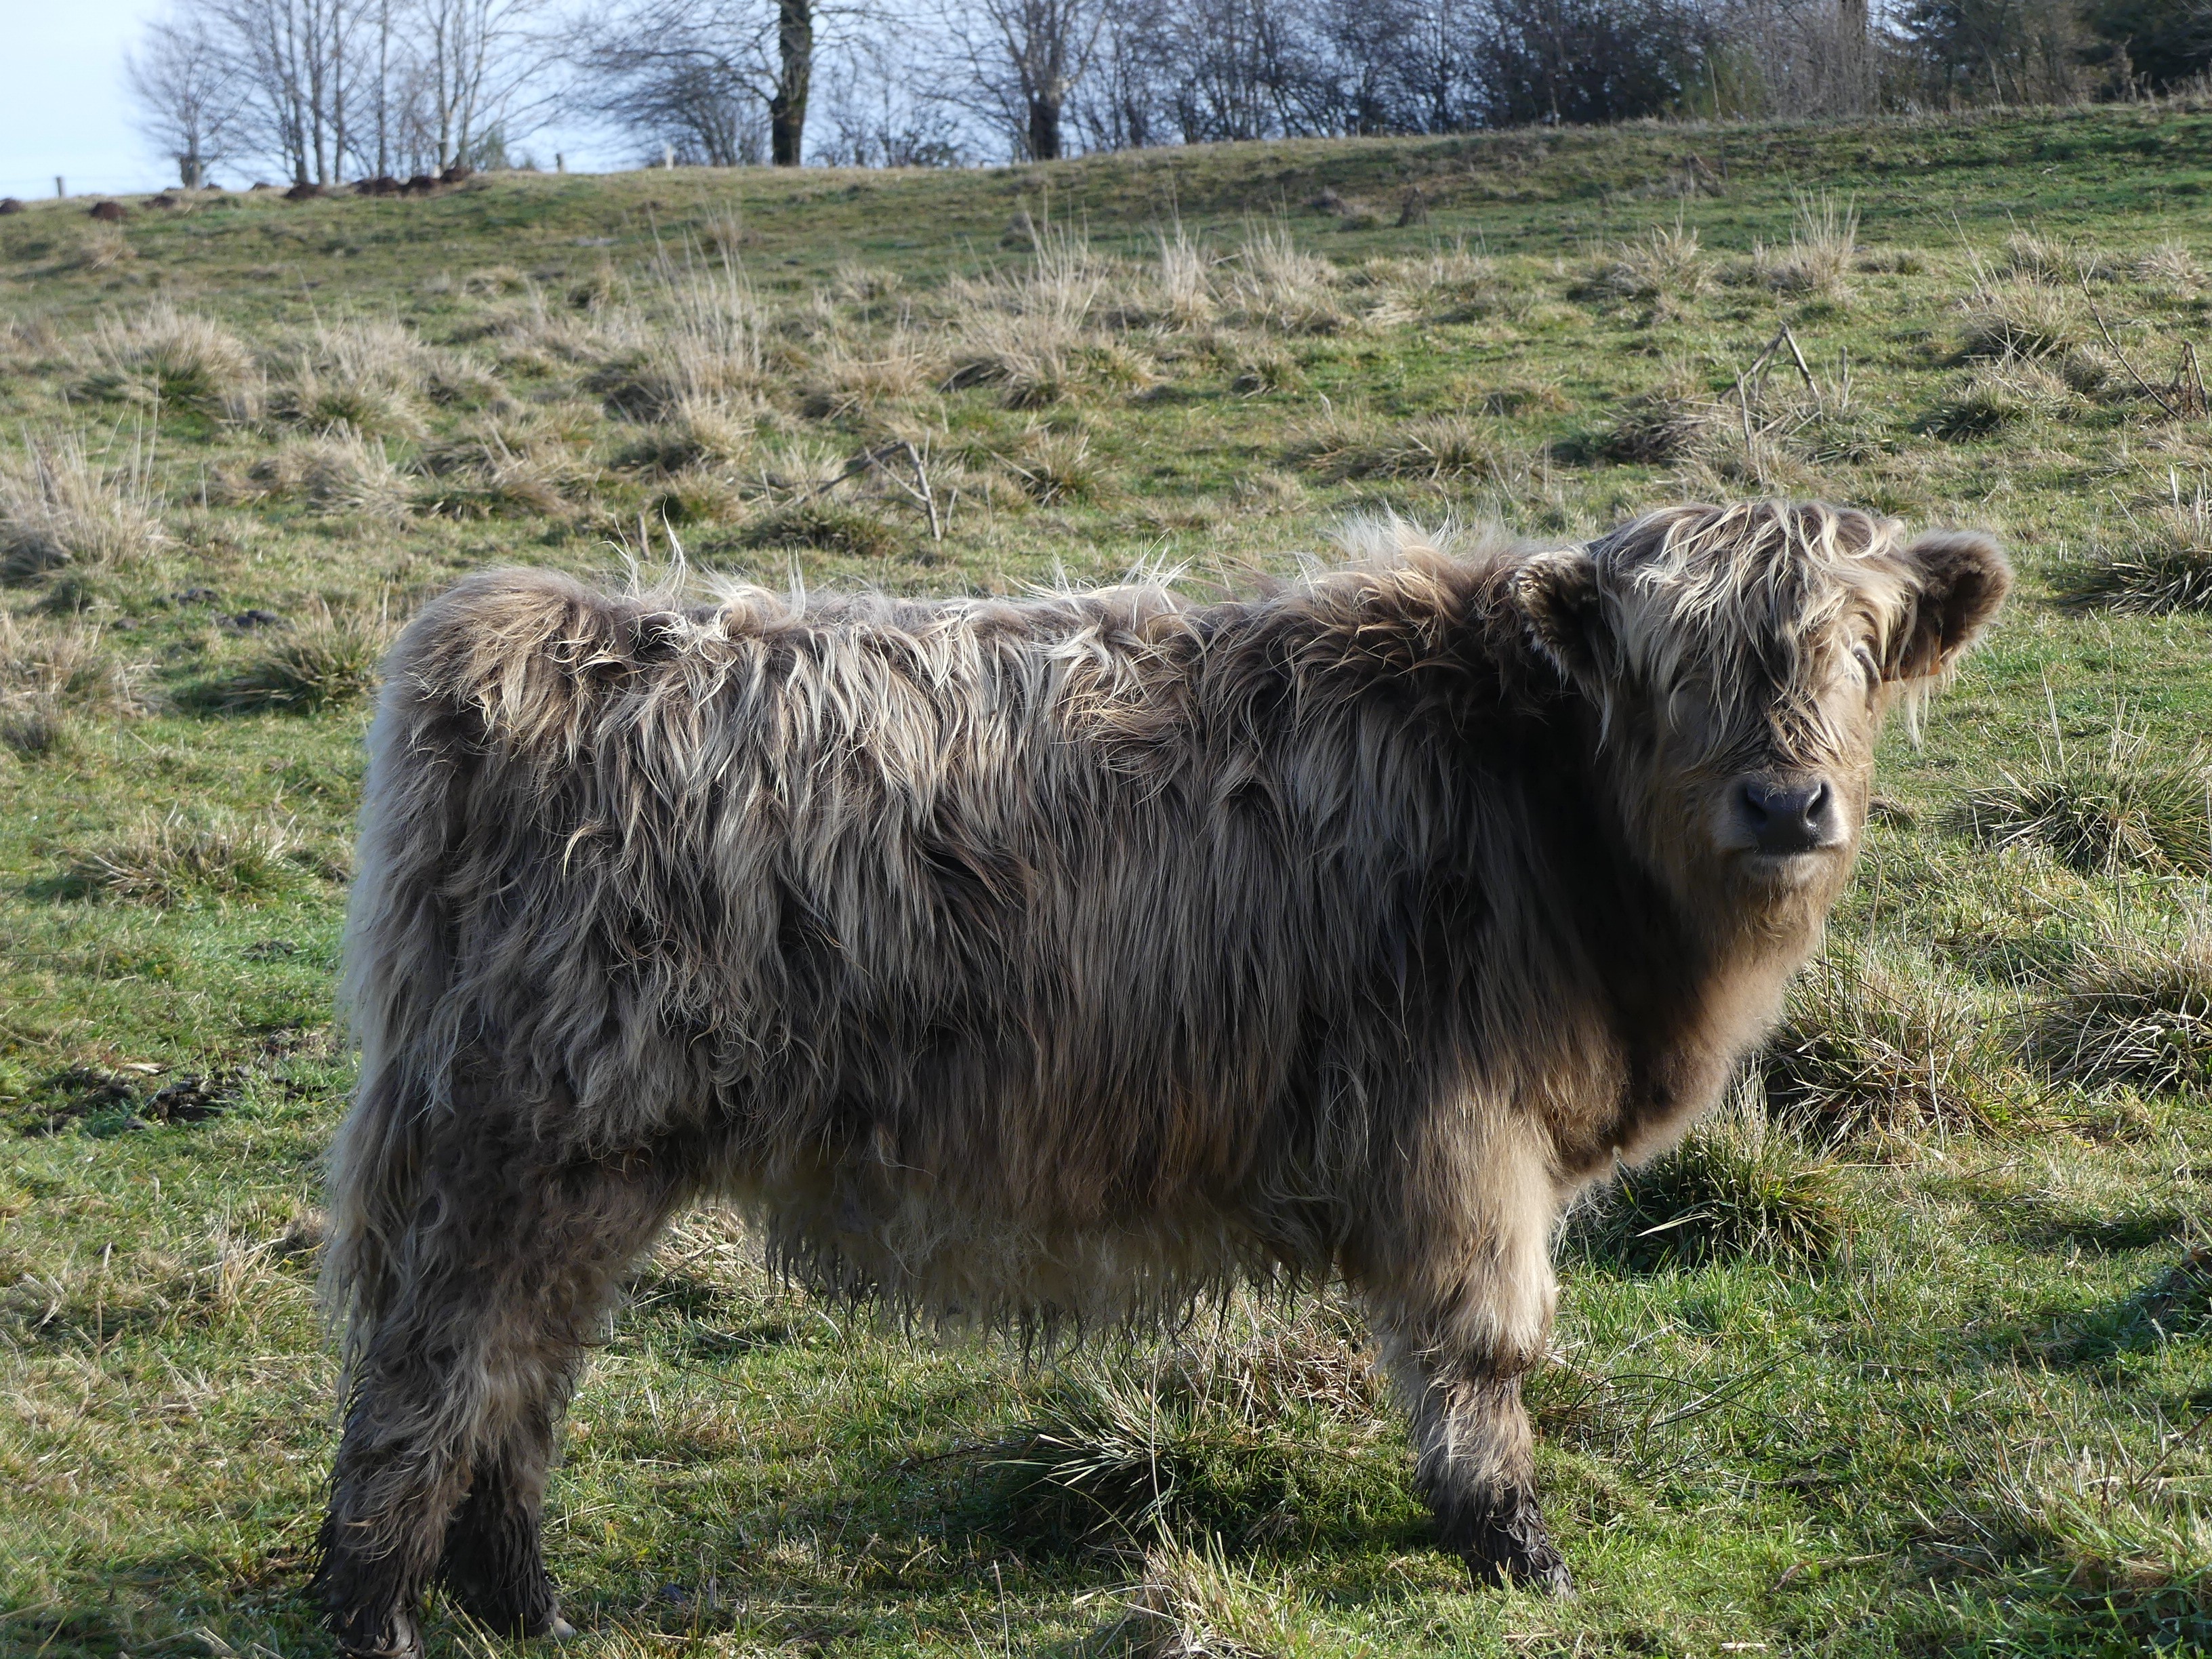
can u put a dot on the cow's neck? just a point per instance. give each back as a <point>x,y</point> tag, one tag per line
<point>1676,1001</point>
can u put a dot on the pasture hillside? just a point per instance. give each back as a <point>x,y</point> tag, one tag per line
<point>1910,1352</point>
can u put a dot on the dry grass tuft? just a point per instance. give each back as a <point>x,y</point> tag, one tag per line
<point>826,526</point>
<point>1868,1041</point>
<point>1026,355</point>
<point>1194,1603</point>
<point>532,336</point>
<point>1824,241</point>
<point>455,380</point>
<point>856,285</point>
<point>50,670</point>
<point>1257,367</point>
<point>2128,806</point>
<point>483,476</point>
<point>2164,565</point>
<point>2010,318</point>
<point>492,281</point>
<point>1328,445</point>
<point>1277,286</point>
<point>1056,466</point>
<point>168,357</point>
<point>1350,212</point>
<point>327,660</point>
<point>1737,1187</point>
<point>344,472</point>
<point>1217,1438</point>
<point>167,859</point>
<point>2037,259</point>
<point>805,466</point>
<point>1435,448</point>
<point>2005,394</point>
<point>708,344</point>
<point>2096,373</point>
<point>1181,281</point>
<point>697,496</point>
<point>1022,331</point>
<point>58,507</point>
<point>1667,264</point>
<point>696,433</point>
<point>369,376</point>
<point>1674,421</point>
<point>1522,398</point>
<point>103,247</point>
<point>847,381</point>
<point>2169,265</point>
<point>335,472</point>
<point>713,342</point>
<point>2133,1013</point>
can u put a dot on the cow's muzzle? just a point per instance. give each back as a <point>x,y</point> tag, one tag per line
<point>1782,820</point>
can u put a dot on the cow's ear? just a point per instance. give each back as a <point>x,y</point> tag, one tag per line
<point>1962,578</point>
<point>1557,597</point>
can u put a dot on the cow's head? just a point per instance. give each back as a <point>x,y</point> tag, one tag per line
<point>1742,660</point>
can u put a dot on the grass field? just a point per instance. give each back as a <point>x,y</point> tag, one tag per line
<point>1916,1359</point>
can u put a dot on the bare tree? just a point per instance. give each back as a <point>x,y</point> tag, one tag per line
<point>1203,71</point>
<point>293,61</point>
<point>1586,61</point>
<point>878,111</point>
<point>1800,57</point>
<point>1126,101</point>
<point>1016,63</point>
<point>2013,52</point>
<point>685,71</point>
<point>692,105</point>
<point>794,76</point>
<point>1249,69</point>
<point>382,58</point>
<point>188,93</point>
<point>1411,66</point>
<point>478,70</point>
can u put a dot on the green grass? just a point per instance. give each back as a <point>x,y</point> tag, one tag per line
<point>1916,1364</point>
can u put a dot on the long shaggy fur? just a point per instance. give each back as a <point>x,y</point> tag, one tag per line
<point>1060,959</point>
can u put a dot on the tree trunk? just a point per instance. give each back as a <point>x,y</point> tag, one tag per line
<point>786,110</point>
<point>1044,128</point>
<point>383,88</point>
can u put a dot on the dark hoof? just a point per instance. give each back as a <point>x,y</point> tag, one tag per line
<point>401,1639</point>
<point>1539,1569</point>
<point>1509,1545</point>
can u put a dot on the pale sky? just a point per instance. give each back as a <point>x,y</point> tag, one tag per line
<point>63,108</point>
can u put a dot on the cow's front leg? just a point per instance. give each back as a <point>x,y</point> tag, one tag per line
<point>1472,1462</point>
<point>1460,1289</point>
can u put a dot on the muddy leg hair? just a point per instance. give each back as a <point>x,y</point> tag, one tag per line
<point>1474,1462</point>
<point>449,1429</point>
<point>491,1565</point>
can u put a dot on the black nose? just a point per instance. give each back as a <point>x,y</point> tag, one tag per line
<point>1785,817</point>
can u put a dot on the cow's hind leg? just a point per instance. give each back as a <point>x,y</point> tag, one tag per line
<point>1462,1296</point>
<point>477,1341</point>
<point>492,1566</point>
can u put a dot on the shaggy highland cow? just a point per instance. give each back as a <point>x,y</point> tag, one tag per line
<point>1063,958</point>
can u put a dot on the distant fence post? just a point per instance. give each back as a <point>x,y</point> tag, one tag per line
<point>59,191</point>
